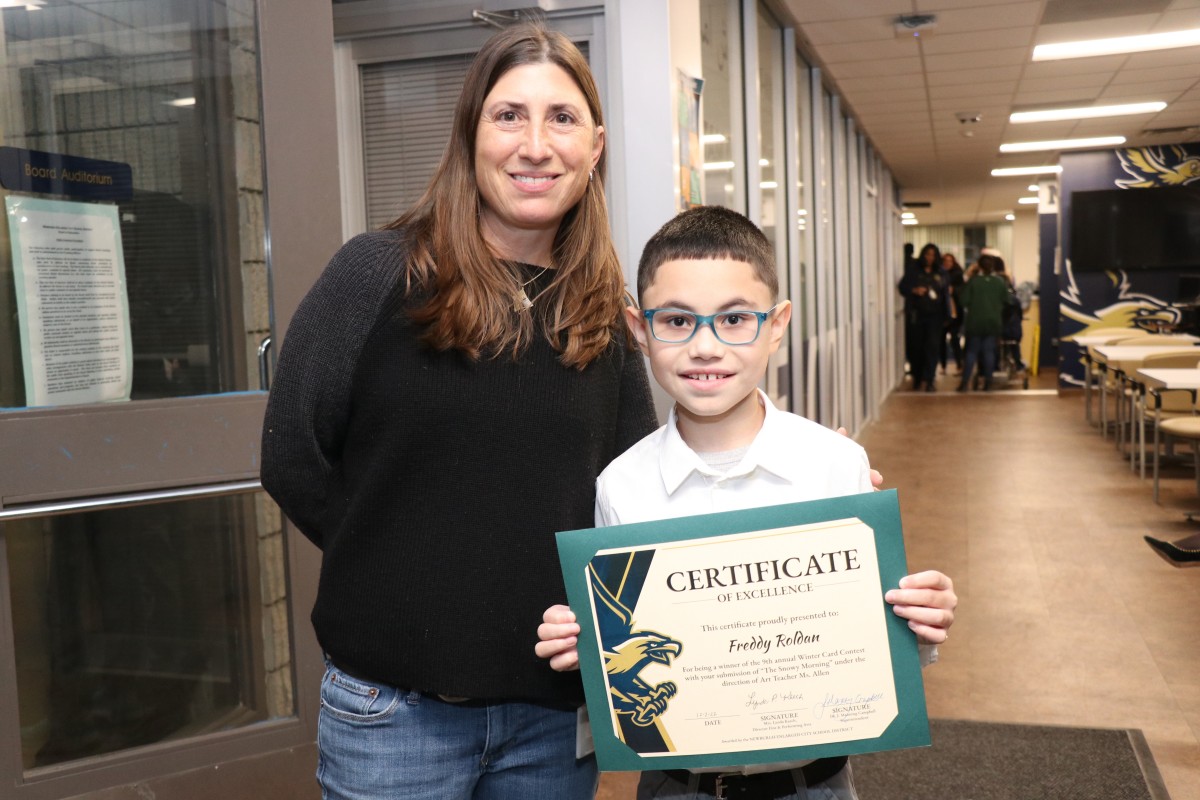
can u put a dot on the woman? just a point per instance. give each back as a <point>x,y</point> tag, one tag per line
<point>983,299</point>
<point>927,295</point>
<point>952,274</point>
<point>447,394</point>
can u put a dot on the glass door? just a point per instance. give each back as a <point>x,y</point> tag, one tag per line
<point>144,600</point>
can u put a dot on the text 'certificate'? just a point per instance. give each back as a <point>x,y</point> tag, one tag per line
<point>746,637</point>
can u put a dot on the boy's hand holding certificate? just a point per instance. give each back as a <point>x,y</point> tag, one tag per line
<point>746,637</point>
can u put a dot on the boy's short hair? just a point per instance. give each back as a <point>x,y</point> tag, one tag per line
<point>707,233</point>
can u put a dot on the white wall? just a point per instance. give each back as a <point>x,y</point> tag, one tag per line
<point>641,161</point>
<point>1025,246</point>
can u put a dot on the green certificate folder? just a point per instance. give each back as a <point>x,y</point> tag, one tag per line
<point>746,637</point>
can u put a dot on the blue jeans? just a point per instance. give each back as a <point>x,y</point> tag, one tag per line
<point>982,349</point>
<point>377,742</point>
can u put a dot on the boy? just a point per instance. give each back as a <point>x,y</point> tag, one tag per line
<point>708,323</point>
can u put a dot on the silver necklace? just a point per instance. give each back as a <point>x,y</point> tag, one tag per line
<point>521,301</point>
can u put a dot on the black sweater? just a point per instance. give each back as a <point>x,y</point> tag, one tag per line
<point>434,484</point>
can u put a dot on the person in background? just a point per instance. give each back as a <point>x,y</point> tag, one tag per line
<point>709,320</point>
<point>910,319</point>
<point>447,393</point>
<point>1010,321</point>
<point>926,291</point>
<point>983,298</point>
<point>952,275</point>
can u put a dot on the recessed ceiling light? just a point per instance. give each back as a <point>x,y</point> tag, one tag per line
<point>182,102</point>
<point>1061,144</point>
<point>1120,44</point>
<point>909,222</point>
<point>712,138</point>
<point>908,215</point>
<point>768,185</point>
<point>1010,217</point>
<point>1085,112</point>
<point>1033,187</point>
<point>1004,172</point>
<point>709,166</point>
<point>1027,201</point>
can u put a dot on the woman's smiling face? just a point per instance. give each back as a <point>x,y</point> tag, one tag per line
<point>535,148</point>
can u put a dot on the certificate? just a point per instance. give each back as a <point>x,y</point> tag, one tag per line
<point>746,637</point>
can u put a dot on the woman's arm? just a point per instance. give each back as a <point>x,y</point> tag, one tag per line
<point>309,404</point>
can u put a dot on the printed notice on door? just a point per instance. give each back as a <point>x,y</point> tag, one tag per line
<point>72,304</point>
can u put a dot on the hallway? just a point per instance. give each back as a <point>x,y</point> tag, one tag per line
<point>1066,617</point>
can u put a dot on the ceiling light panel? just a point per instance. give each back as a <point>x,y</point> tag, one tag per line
<point>1121,44</point>
<point>1086,112</point>
<point>1049,169</point>
<point>1061,144</point>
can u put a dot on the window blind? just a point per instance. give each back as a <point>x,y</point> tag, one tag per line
<point>408,109</point>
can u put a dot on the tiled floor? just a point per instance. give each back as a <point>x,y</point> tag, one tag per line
<point>1066,616</point>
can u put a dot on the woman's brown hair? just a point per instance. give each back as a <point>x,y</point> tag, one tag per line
<point>471,290</point>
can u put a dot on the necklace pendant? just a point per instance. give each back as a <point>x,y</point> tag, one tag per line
<point>521,301</point>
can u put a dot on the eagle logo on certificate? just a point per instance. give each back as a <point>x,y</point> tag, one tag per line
<point>628,651</point>
<point>746,637</point>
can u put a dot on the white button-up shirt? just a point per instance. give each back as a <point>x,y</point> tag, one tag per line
<point>792,459</point>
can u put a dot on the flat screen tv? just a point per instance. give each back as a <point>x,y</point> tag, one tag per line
<point>1133,229</point>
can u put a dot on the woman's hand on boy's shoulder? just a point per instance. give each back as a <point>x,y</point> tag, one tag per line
<point>927,600</point>
<point>876,475</point>
<point>558,635</point>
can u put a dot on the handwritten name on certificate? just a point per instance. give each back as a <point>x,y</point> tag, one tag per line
<point>746,637</point>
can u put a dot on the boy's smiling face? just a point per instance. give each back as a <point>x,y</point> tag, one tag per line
<point>715,385</point>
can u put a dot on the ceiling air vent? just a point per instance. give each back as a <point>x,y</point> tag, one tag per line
<point>1182,130</point>
<point>915,25</point>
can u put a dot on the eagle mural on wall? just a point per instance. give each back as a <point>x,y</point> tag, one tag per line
<point>1157,166</point>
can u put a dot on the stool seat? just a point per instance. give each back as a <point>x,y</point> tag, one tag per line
<point>1183,427</point>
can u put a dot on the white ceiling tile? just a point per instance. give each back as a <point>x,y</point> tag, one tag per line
<point>1039,131</point>
<point>862,29</point>
<point>1128,25</point>
<point>938,6</point>
<point>1158,73</point>
<point>1089,84</point>
<point>1177,20</point>
<point>990,17</point>
<point>1166,90</point>
<point>821,10</point>
<point>913,94</point>
<point>1074,66</point>
<point>1054,97</point>
<point>881,109</point>
<point>865,69</point>
<point>879,83</point>
<point>971,76</point>
<point>1181,56</point>
<point>966,44</point>
<point>891,48</point>
<point>964,97</point>
<point>1005,57</point>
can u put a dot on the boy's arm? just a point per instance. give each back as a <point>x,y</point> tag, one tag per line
<point>558,635</point>
<point>876,475</point>
<point>559,632</point>
<point>927,600</point>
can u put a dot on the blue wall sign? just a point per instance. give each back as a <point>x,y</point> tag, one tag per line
<point>68,176</point>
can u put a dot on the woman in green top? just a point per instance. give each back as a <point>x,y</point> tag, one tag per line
<point>982,298</point>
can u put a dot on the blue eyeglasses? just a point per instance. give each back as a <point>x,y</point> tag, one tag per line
<point>675,326</point>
